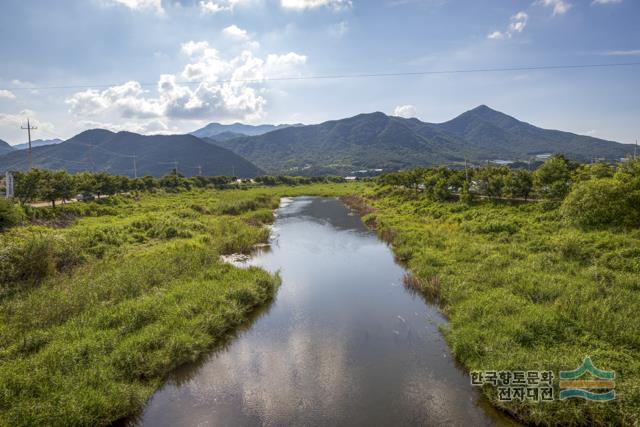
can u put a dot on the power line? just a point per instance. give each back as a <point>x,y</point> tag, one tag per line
<point>354,76</point>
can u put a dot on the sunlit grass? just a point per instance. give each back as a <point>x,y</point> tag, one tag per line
<point>94,315</point>
<point>523,291</point>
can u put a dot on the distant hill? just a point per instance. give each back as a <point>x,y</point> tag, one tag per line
<point>5,147</point>
<point>37,143</point>
<point>499,136</point>
<point>375,140</point>
<point>213,129</point>
<point>102,150</point>
<point>224,136</point>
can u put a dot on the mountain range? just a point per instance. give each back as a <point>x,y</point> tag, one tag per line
<point>370,141</point>
<point>215,129</point>
<point>375,140</point>
<point>103,150</point>
<point>37,143</point>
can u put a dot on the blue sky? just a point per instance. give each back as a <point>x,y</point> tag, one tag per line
<point>168,66</point>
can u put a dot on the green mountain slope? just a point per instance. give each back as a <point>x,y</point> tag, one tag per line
<point>499,136</point>
<point>371,141</point>
<point>102,150</point>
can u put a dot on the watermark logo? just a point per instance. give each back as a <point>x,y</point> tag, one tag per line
<point>536,386</point>
<point>571,386</point>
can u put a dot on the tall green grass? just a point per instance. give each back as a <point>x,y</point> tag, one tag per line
<point>94,315</point>
<point>525,291</point>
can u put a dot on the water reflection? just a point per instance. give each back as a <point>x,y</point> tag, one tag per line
<point>343,344</point>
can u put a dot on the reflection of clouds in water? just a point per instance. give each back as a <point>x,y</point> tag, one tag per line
<point>281,380</point>
<point>343,343</point>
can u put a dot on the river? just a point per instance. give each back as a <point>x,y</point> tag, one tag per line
<point>344,343</point>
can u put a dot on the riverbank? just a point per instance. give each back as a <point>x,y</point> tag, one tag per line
<point>96,311</point>
<point>523,291</point>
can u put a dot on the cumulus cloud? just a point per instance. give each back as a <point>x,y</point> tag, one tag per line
<point>152,5</point>
<point>210,86</point>
<point>406,111</point>
<point>315,4</point>
<point>559,7</point>
<point>209,7</point>
<point>517,24</point>
<point>7,94</point>
<point>20,119</point>
<point>606,1</point>
<point>235,32</point>
<point>151,127</point>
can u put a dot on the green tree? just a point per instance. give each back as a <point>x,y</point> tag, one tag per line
<point>466,196</point>
<point>58,185</point>
<point>552,180</point>
<point>520,184</point>
<point>27,185</point>
<point>86,182</point>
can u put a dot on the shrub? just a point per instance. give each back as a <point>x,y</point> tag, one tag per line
<point>11,214</point>
<point>598,202</point>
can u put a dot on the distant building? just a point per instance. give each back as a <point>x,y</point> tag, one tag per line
<point>350,178</point>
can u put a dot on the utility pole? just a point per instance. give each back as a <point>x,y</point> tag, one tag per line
<point>233,171</point>
<point>135,167</point>
<point>199,170</point>
<point>466,171</point>
<point>175,166</point>
<point>29,128</point>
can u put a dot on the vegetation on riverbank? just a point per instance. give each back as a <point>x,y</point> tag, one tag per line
<point>530,286</point>
<point>97,310</point>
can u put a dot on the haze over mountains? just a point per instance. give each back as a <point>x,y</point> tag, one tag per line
<point>37,143</point>
<point>366,141</point>
<point>216,129</point>
<point>103,150</point>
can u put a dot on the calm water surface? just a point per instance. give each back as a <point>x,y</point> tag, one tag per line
<point>344,343</point>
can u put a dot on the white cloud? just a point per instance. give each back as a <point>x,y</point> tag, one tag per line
<point>235,32</point>
<point>20,119</point>
<point>7,94</point>
<point>517,25</point>
<point>559,6</point>
<point>606,1</point>
<point>215,88</point>
<point>210,7</point>
<point>633,52</point>
<point>151,127</point>
<point>340,29</point>
<point>406,111</point>
<point>152,5</point>
<point>518,22</point>
<point>315,4</point>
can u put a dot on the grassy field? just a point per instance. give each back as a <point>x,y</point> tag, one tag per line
<point>99,301</point>
<point>524,291</point>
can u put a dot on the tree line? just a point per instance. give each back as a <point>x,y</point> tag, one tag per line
<point>590,194</point>
<point>54,186</point>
